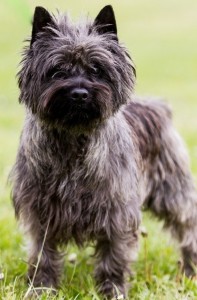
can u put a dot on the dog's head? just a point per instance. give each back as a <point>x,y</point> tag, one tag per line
<point>75,75</point>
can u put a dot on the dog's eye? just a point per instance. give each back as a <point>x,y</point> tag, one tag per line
<point>55,73</point>
<point>95,70</point>
<point>58,74</point>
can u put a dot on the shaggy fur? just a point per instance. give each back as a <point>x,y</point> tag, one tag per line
<point>91,155</point>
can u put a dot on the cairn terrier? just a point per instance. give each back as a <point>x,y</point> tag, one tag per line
<point>91,155</point>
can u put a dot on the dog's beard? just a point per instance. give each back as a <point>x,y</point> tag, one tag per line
<point>58,109</point>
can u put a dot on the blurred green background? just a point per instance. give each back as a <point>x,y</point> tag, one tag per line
<point>162,39</point>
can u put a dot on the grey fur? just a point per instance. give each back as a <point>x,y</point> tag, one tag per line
<point>88,172</point>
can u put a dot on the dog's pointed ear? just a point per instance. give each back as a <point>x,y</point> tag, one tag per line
<point>106,22</point>
<point>41,19</point>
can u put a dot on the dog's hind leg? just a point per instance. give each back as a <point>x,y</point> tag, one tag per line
<point>173,196</point>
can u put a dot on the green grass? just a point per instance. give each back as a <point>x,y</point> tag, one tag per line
<point>161,35</point>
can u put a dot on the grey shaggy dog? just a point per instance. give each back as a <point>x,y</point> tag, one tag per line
<point>91,155</point>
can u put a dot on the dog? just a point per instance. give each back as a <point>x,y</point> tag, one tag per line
<point>92,154</point>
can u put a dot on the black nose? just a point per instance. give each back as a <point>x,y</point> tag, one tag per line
<point>79,94</point>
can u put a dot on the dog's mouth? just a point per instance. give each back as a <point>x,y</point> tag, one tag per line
<point>72,105</point>
<point>63,108</point>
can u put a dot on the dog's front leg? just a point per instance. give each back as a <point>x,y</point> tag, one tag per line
<point>45,264</point>
<point>114,255</point>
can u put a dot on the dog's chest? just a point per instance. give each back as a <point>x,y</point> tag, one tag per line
<point>74,207</point>
<point>71,194</point>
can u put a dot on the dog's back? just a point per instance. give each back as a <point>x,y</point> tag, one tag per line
<point>148,119</point>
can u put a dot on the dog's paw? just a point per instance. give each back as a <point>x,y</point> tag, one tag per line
<point>111,291</point>
<point>35,292</point>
